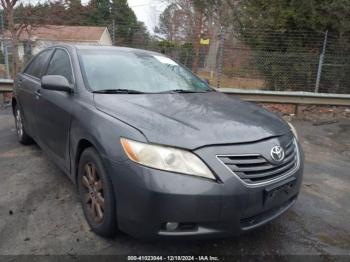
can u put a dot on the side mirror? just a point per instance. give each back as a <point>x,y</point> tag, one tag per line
<point>56,83</point>
<point>206,80</point>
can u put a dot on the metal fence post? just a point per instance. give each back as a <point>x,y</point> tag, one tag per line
<point>220,58</point>
<point>320,64</point>
<point>113,32</point>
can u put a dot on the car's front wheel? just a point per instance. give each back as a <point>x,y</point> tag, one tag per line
<point>22,135</point>
<point>97,195</point>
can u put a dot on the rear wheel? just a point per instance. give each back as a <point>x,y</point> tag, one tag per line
<point>96,194</point>
<point>22,135</point>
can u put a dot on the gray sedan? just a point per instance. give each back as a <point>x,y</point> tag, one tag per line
<point>154,151</point>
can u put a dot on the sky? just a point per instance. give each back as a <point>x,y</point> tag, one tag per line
<point>146,11</point>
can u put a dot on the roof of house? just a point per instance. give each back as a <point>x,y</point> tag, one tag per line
<point>63,33</point>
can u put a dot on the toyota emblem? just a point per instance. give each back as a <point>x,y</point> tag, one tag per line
<point>277,153</point>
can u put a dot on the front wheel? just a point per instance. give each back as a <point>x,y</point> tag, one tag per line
<point>22,135</point>
<point>96,194</point>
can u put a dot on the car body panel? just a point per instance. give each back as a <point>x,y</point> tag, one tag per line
<point>26,87</point>
<point>192,120</point>
<point>53,118</point>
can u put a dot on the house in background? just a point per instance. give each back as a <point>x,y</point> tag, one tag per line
<point>34,39</point>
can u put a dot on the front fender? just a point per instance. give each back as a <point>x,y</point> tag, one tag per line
<point>103,132</point>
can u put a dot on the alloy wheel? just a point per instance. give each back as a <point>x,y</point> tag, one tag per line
<point>19,124</point>
<point>93,196</point>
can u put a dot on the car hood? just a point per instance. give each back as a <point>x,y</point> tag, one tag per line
<point>192,120</point>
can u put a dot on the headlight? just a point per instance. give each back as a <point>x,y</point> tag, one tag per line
<point>292,128</point>
<point>166,158</point>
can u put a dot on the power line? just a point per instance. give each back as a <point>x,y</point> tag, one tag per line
<point>131,6</point>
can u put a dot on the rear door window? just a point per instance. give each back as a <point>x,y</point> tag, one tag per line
<point>60,65</point>
<point>36,67</point>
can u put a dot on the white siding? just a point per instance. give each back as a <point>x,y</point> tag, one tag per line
<point>105,38</point>
<point>20,51</point>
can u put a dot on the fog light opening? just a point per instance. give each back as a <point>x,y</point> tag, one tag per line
<point>171,226</point>
<point>175,226</point>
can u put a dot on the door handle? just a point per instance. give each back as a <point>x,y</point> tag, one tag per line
<point>37,94</point>
<point>19,83</point>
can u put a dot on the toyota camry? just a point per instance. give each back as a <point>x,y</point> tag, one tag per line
<point>153,150</point>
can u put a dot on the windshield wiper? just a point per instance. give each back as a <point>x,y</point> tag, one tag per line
<point>182,91</point>
<point>117,91</point>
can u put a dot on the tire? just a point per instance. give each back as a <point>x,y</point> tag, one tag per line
<point>22,135</point>
<point>94,185</point>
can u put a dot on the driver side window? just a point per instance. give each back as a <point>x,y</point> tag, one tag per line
<point>36,66</point>
<point>60,65</point>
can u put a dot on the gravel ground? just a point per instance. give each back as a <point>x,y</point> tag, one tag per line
<point>40,212</point>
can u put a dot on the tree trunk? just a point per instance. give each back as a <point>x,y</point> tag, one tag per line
<point>15,58</point>
<point>210,63</point>
<point>14,40</point>
<point>196,40</point>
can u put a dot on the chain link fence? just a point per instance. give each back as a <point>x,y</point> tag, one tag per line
<point>249,59</point>
<point>313,62</point>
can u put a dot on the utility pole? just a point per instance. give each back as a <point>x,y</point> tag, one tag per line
<point>320,64</point>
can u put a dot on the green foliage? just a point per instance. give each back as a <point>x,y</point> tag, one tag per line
<point>186,54</point>
<point>126,21</point>
<point>100,11</point>
<point>183,53</point>
<point>275,28</point>
<point>165,46</point>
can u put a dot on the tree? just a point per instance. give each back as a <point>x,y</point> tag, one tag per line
<point>277,28</point>
<point>8,7</point>
<point>96,13</point>
<point>173,22</point>
<point>183,20</point>
<point>100,12</point>
<point>199,7</point>
<point>140,36</point>
<point>127,28</point>
<point>190,20</point>
<point>125,20</point>
<point>75,13</point>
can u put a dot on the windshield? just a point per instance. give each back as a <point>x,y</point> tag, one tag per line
<point>137,71</point>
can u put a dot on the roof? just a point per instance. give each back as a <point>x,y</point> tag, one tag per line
<point>105,48</point>
<point>113,48</point>
<point>63,33</point>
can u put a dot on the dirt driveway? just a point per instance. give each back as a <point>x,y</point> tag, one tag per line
<point>40,212</point>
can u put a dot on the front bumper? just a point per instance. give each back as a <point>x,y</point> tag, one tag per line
<point>148,198</point>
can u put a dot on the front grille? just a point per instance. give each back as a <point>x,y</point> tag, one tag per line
<point>255,168</point>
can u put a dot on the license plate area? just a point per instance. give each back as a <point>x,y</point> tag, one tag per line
<point>279,192</point>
